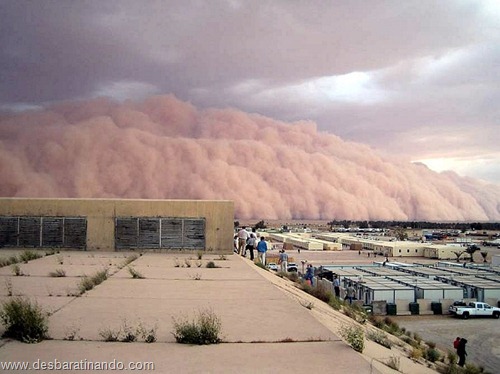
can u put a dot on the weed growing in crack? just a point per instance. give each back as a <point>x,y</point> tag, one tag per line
<point>29,255</point>
<point>16,270</point>
<point>109,335</point>
<point>394,363</point>
<point>203,330</point>
<point>58,273</point>
<point>134,273</point>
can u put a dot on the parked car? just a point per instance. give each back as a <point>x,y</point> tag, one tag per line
<point>272,266</point>
<point>292,266</point>
<point>476,309</point>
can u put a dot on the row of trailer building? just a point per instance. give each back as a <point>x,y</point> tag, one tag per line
<point>386,248</point>
<point>404,289</point>
<point>392,287</point>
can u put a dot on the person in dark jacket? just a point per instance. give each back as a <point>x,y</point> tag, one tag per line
<point>461,352</point>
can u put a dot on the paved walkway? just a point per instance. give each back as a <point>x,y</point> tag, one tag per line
<point>263,329</point>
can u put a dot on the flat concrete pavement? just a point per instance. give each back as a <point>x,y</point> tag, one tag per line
<point>263,329</point>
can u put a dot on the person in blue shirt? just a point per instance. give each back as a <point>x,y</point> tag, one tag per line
<point>262,249</point>
<point>309,276</point>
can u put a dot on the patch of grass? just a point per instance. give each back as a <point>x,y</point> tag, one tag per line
<point>134,273</point>
<point>321,292</point>
<point>196,276</point>
<point>222,257</point>
<point>128,260</point>
<point>8,261</point>
<point>394,363</point>
<point>261,265</point>
<point>355,312</point>
<point>377,321</point>
<point>203,330</point>
<point>71,333</point>
<point>199,255</point>
<point>335,303</point>
<point>87,283</point>
<point>8,286</point>
<point>60,259</point>
<point>109,335</point>
<point>24,320</point>
<point>58,273</point>
<point>129,333</point>
<point>211,265</point>
<point>187,262</point>
<point>355,336</point>
<point>416,353</point>
<point>292,275</point>
<point>16,270</point>
<point>417,337</point>
<point>28,255</point>
<point>147,334</point>
<point>379,337</point>
<point>307,304</point>
<point>176,263</point>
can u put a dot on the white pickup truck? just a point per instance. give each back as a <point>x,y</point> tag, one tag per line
<point>476,309</point>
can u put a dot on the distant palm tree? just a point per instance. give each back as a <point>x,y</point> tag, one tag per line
<point>459,254</point>
<point>471,249</point>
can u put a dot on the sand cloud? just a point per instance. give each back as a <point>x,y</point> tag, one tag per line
<point>162,147</point>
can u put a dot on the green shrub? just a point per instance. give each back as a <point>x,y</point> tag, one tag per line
<point>204,330</point>
<point>292,275</point>
<point>431,344</point>
<point>261,265</point>
<point>211,265</point>
<point>354,335</point>
<point>335,303</point>
<point>432,354</point>
<point>321,292</point>
<point>199,254</point>
<point>58,273</point>
<point>472,369</point>
<point>29,255</point>
<point>24,320</point>
<point>380,338</point>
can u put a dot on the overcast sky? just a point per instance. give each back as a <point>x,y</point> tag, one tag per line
<point>415,79</point>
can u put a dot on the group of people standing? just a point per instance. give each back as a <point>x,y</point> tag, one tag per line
<point>247,241</point>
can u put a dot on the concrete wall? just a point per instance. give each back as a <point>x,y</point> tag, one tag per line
<point>101,214</point>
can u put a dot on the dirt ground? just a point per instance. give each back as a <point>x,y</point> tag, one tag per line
<point>482,334</point>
